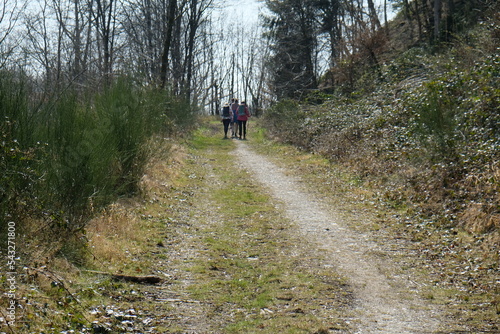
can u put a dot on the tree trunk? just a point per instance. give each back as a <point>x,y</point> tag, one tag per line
<point>105,28</point>
<point>375,22</point>
<point>437,19</point>
<point>172,6</point>
<point>449,19</point>
<point>193,26</point>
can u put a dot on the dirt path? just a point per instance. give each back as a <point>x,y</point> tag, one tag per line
<point>384,303</point>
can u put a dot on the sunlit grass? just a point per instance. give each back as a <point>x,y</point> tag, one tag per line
<point>250,267</point>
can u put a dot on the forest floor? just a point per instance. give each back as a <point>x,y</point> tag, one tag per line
<point>252,237</point>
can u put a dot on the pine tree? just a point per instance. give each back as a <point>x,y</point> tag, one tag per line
<point>292,29</point>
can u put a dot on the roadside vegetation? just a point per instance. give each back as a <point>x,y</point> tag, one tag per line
<point>420,131</point>
<point>65,159</point>
<point>70,156</point>
<point>76,152</point>
<point>226,259</point>
<point>426,127</point>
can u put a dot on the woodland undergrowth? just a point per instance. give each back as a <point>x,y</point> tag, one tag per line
<point>426,139</point>
<point>428,133</point>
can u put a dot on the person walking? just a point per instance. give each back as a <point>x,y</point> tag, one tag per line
<point>243,115</point>
<point>226,118</point>
<point>234,110</point>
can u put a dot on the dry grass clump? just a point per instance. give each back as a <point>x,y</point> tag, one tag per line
<point>477,219</point>
<point>482,216</point>
<point>164,168</point>
<point>112,234</point>
<point>124,227</point>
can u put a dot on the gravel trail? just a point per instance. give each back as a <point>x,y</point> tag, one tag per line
<point>384,303</point>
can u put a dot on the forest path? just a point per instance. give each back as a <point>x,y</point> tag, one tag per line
<point>385,302</point>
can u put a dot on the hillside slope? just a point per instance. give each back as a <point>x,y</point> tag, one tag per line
<point>424,125</point>
<point>422,131</point>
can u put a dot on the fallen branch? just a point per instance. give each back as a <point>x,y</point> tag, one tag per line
<point>129,278</point>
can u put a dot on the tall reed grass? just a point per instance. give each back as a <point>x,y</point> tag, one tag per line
<point>63,158</point>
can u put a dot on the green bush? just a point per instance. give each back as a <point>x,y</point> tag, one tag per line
<point>284,120</point>
<point>64,158</point>
<point>435,119</point>
<point>455,114</point>
<point>19,171</point>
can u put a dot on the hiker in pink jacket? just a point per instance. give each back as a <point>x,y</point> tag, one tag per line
<point>243,115</point>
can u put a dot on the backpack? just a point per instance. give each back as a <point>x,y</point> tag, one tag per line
<point>241,110</point>
<point>225,111</point>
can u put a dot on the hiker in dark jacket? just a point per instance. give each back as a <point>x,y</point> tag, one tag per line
<point>227,116</point>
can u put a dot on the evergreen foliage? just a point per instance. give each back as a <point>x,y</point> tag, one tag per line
<point>293,32</point>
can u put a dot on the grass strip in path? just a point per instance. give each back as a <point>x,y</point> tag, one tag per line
<point>255,274</point>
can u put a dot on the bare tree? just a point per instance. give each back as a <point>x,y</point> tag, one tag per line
<point>255,76</point>
<point>38,45</point>
<point>437,18</point>
<point>143,22</point>
<point>171,16</point>
<point>10,15</point>
<point>194,20</point>
<point>105,23</point>
<point>172,43</point>
<point>75,24</point>
<point>374,20</point>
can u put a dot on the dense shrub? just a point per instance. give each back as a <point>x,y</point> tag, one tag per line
<point>285,120</point>
<point>64,158</point>
<point>18,163</point>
